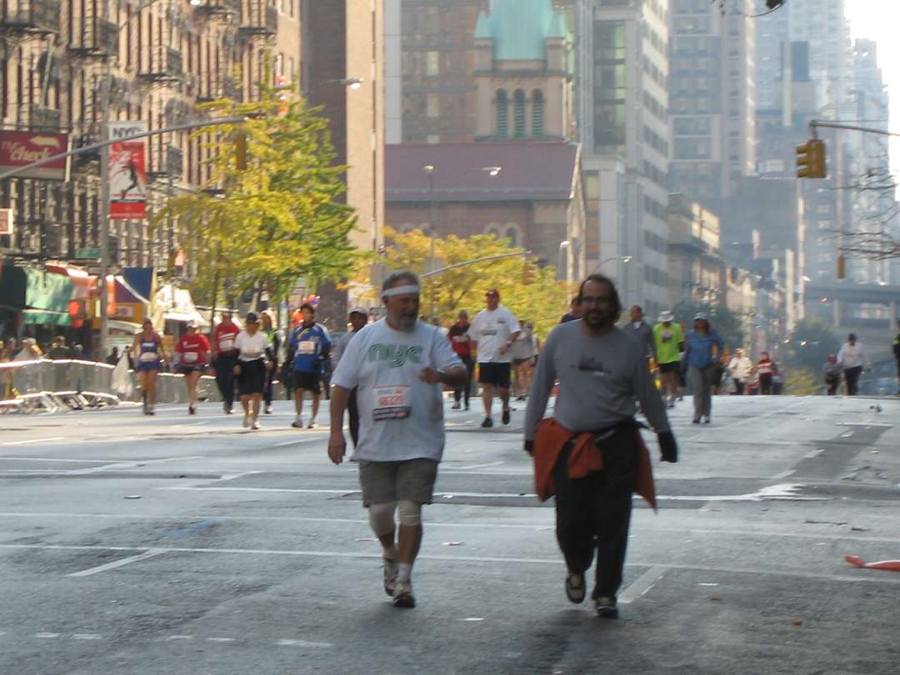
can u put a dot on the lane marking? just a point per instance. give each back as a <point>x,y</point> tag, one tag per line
<point>642,584</point>
<point>87,636</point>
<point>297,442</point>
<point>152,553</point>
<point>303,643</point>
<point>476,466</point>
<point>11,458</point>
<point>135,464</point>
<point>46,636</point>
<point>172,638</point>
<point>863,577</point>
<point>33,440</point>
<point>219,639</point>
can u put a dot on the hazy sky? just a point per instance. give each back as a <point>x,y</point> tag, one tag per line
<point>880,20</point>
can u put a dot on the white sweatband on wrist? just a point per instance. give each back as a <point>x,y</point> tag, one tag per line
<point>400,290</point>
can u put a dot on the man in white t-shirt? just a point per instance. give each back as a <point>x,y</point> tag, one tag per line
<point>493,332</point>
<point>398,366</point>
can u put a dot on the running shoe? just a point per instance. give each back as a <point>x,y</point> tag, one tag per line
<point>403,595</point>
<point>467,405</point>
<point>390,576</point>
<point>151,410</point>
<point>254,424</point>
<point>192,410</point>
<point>312,425</point>
<point>505,417</point>
<point>268,410</point>
<point>696,420</point>
<point>227,409</point>
<point>488,423</point>
<point>575,587</point>
<point>246,420</point>
<point>298,422</point>
<point>706,420</point>
<point>607,608</point>
<point>455,406</point>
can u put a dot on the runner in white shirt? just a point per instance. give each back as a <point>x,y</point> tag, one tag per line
<point>397,365</point>
<point>254,356</point>
<point>493,331</point>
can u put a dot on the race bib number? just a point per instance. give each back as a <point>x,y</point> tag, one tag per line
<point>306,347</point>
<point>666,335</point>
<point>147,357</point>
<point>460,338</point>
<point>226,344</point>
<point>190,357</point>
<point>391,403</point>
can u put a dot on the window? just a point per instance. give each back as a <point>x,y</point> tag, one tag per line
<point>502,104</point>
<point>432,105</point>
<point>537,113</point>
<point>433,64</point>
<point>519,106</point>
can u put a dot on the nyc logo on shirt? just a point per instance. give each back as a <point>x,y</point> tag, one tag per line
<point>396,356</point>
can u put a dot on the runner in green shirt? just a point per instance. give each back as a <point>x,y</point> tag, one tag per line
<point>669,340</point>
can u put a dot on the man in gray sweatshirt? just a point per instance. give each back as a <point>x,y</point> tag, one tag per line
<point>601,371</point>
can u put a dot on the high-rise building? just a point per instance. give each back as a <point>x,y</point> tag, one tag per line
<point>712,98</point>
<point>622,70</point>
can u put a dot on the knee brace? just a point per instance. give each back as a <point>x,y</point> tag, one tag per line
<point>381,518</point>
<point>409,513</point>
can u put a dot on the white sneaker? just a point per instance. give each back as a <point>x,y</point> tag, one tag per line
<point>403,595</point>
<point>312,425</point>
<point>255,424</point>
<point>298,422</point>
<point>246,420</point>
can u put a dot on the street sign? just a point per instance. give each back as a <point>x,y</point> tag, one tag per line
<point>87,253</point>
<point>20,148</point>
<point>127,171</point>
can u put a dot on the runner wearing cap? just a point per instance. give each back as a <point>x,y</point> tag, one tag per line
<point>254,355</point>
<point>308,347</point>
<point>398,366</point>
<point>358,318</point>
<point>669,340</point>
<point>268,327</point>
<point>702,351</point>
<point>493,332</point>
<point>192,352</point>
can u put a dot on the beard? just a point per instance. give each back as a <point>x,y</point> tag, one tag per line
<point>598,319</point>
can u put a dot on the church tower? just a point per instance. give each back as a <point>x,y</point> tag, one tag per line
<point>523,73</point>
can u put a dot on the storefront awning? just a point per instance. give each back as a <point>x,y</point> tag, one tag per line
<point>44,317</point>
<point>42,296</point>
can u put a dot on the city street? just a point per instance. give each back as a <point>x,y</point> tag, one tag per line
<point>176,544</point>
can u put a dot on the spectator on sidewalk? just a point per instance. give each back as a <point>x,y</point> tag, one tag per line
<point>740,370</point>
<point>853,360</point>
<point>832,372</point>
<point>765,371</point>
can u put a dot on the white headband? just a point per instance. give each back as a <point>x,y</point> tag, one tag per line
<point>400,290</point>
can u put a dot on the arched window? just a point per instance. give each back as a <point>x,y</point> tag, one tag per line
<point>519,121</point>
<point>502,103</point>
<point>514,234</point>
<point>537,113</point>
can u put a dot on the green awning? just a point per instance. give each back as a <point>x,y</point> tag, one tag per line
<point>45,317</point>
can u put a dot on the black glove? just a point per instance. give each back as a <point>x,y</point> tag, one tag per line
<point>668,447</point>
<point>529,447</point>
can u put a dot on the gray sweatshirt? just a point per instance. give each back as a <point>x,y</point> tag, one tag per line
<point>600,377</point>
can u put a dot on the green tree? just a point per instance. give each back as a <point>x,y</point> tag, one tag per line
<point>531,292</point>
<point>723,320</point>
<point>279,218</point>
<point>810,344</point>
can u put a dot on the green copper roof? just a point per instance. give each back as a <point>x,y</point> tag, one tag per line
<point>519,28</point>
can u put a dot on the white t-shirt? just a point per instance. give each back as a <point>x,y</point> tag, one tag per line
<point>251,347</point>
<point>852,356</point>
<point>492,330</point>
<point>400,417</point>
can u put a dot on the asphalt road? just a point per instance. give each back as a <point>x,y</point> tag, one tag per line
<point>179,544</point>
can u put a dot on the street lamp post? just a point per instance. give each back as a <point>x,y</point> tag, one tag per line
<point>624,258</point>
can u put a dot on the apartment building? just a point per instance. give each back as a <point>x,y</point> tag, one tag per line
<point>68,65</point>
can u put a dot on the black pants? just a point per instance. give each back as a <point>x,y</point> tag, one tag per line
<point>738,386</point>
<point>765,383</point>
<point>267,389</point>
<point>353,410</point>
<point>595,512</point>
<point>225,377</point>
<point>832,382</point>
<point>463,392</point>
<point>851,375</point>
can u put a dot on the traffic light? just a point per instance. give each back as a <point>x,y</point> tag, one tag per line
<point>811,159</point>
<point>240,151</point>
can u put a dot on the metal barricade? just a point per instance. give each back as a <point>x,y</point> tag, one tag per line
<point>47,386</point>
